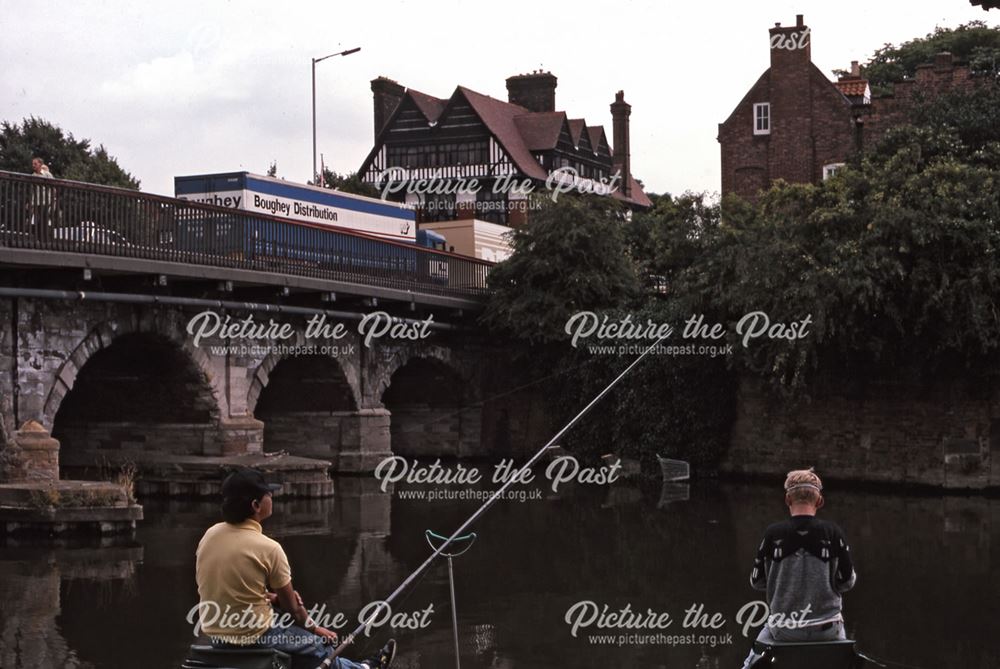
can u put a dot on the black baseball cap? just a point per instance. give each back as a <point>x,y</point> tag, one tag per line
<point>247,482</point>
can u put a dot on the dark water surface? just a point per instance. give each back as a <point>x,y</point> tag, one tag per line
<point>928,594</point>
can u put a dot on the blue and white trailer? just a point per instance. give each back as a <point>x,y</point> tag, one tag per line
<point>373,237</point>
<point>310,204</point>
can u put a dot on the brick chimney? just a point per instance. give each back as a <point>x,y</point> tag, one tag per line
<point>791,46</point>
<point>388,94</point>
<point>790,145</point>
<point>535,92</point>
<point>620,111</point>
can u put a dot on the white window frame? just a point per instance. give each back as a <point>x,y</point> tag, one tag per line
<point>762,112</point>
<point>830,169</point>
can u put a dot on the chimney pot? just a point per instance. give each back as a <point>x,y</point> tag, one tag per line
<point>799,21</point>
<point>855,69</point>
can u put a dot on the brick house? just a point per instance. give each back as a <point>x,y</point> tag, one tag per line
<point>797,125</point>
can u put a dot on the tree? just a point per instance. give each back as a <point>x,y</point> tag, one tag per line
<point>583,254</point>
<point>570,257</point>
<point>349,182</point>
<point>67,157</point>
<point>973,42</point>
<point>894,261</point>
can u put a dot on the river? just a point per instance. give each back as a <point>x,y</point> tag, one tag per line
<point>928,592</point>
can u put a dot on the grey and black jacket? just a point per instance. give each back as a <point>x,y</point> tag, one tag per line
<point>804,564</point>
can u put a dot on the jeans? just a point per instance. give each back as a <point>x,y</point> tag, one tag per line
<point>770,635</point>
<point>297,642</point>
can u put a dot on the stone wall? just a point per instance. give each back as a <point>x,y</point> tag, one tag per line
<point>166,437</point>
<point>944,438</point>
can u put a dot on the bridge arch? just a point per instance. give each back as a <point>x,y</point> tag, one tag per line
<point>434,408</point>
<point>307,403</point>
<point>132,389</point>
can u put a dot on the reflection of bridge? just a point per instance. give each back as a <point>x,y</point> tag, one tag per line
<point>97,287</point>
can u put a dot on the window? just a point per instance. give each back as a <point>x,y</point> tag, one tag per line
<point>762,118</point>
<point>831,169</point>
<point>438,155</point>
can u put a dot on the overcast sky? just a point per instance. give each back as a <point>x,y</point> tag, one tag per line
<point>194,87</point>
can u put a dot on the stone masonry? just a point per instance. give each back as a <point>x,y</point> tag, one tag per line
<point>207,407</point>
<point>946,438</point>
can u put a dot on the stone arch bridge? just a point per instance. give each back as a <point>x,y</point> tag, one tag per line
<point>114,382</point>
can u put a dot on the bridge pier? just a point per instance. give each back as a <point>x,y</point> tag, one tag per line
<point>108,384</point>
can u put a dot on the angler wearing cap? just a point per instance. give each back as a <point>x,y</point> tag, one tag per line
<point>243,575</point>
<point>804,564</point>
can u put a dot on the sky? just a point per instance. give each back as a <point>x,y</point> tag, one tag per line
<point>199,87</point>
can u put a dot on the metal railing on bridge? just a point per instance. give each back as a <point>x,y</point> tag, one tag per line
<point>69,216</point>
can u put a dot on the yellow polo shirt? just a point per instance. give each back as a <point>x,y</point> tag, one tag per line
<point>235,566</point>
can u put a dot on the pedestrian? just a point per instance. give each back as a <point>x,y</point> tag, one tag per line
<point>804,564</point>
<point>42,199</point>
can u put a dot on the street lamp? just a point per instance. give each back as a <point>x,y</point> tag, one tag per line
<point>314,61</point>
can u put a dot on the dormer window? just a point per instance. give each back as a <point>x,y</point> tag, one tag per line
<point>762,118</point>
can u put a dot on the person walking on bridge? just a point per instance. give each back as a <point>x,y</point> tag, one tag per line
<point>42,199</point>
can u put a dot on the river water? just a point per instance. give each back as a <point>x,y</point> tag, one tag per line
<point>928,593</point>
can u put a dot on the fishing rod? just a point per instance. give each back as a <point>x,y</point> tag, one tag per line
<point>489,502</point>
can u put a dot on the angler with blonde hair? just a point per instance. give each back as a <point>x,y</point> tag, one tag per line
<point>804,564</point>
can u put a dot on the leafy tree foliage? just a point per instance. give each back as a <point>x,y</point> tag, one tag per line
<point>584,254</point>
<point>570,257</point>
<point>349,182</point>
<point>66,156</point>
<point>973,42</point>
<point>894,260</point>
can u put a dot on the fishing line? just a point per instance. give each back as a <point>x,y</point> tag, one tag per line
<point>497,494</point>
<point>481,403</point>
<point>887,663</point>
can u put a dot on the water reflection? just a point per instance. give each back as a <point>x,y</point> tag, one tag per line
<point>32,582</point>
<point>927,592</point>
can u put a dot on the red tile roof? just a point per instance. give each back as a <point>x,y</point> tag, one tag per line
<point>852,87</point>
<point>576,126</point>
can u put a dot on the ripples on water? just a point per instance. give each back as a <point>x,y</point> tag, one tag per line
<point>928,593</point>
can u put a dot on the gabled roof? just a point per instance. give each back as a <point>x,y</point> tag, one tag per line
<point>499,117</point>
<point>518,130</point>
<point>597,136</point>
<point>430,106</point>
<point>576,127</point>
<point>540,131</point>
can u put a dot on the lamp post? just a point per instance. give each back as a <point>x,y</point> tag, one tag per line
<point>314,61</point>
